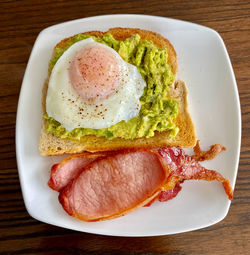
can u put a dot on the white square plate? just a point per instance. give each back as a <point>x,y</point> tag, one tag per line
<point>214,105</point>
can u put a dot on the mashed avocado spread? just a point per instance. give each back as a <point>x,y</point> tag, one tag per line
<point>157,110</point>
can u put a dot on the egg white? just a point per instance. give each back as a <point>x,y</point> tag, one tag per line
<point>72,111</point>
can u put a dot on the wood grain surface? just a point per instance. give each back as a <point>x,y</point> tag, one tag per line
<point>21,21</point>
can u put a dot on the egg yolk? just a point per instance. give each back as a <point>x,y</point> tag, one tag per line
<point>94,72</point>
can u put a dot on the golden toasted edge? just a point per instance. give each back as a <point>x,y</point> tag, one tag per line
<point>123,33</point>
<point>51,145</point>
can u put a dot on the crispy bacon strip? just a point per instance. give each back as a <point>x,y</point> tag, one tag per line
<point>186,168</point>
<point>170,194</point>
<point>166,195</point>
<point>213,152</point>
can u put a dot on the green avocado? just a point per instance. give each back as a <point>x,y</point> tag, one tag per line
<point>157,112</point>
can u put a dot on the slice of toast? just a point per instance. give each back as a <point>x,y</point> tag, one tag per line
<point>53,145</point>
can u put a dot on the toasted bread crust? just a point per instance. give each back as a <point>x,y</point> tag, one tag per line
<point>122,34</point>
<point>52,145</point>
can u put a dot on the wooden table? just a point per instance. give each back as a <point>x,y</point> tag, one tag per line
<point>21,21</point>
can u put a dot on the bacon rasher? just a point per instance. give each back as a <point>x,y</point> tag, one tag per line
<point>107,185</point>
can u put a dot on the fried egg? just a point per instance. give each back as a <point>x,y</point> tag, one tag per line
<point>91,86</point>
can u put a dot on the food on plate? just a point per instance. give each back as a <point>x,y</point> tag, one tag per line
<point>114,90</point>
<point>184,167</point>
<point>110,93</point>
<point>201,155</point>
<point>112,99</point>
<point>62,173</point>
<point>65,171</point>
<point>115,184</point>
